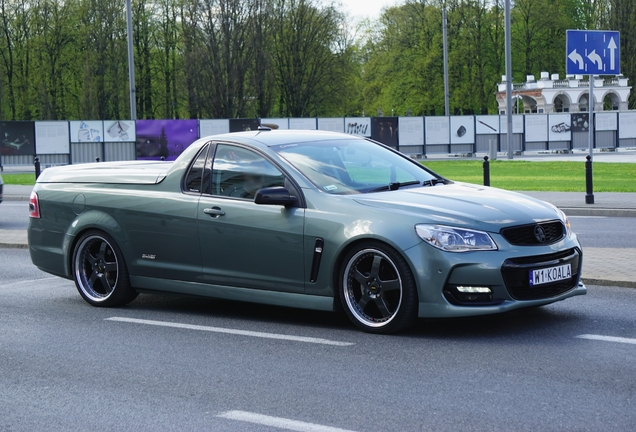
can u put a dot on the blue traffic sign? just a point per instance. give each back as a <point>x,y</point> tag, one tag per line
<point>592,52</point>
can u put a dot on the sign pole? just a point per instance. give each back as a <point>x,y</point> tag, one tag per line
<point>589,184</point>
<point>131,63</point>
<point>446,92</point>
<point>508,78</point>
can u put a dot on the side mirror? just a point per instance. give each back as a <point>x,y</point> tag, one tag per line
<point>274,196</point>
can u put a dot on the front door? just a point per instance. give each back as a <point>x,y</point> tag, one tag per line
<point>244,244</point>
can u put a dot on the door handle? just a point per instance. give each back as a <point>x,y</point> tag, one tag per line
<point>214,212</point>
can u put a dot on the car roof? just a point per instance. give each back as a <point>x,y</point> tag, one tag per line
<point>278,137</point>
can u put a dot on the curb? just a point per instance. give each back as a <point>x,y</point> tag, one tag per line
<point>15,198</point>
<point>601,212</point>
<point>14,245</point>
<point>605,282</point>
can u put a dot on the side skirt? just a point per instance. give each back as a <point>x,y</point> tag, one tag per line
<point>276,298</point>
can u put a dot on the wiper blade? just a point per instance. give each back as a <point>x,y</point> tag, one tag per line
<point>394,186</point>
<point>433,182</point>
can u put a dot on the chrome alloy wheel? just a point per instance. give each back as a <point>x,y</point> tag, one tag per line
<point>372,288</point>
<point>96,268</point>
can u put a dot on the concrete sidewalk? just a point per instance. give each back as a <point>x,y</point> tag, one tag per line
<point>602,266</point>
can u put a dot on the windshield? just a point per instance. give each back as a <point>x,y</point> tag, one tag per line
<point>354,166</point>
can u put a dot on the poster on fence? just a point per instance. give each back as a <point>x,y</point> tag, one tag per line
<point>486,124</point>
<point>517,124</point>
<point>606,121</point>
<point>119,131</point>
<point>17,138</point>
<point>537,128</point>
<point>580,122</point>
<point>333,124</point>
<point>385,130</point>
<point>302,123</point>
<point>462,130</point>
<point>243,124</point>
<point>164,138</point>
<point>52,137</point>
<point>627,125</point>
<point>87,131</point>
<point>276,123</point>
<point>411,131</point>
<point>213,127</point>
<point>437,130</point>
<point>559,127</point>
<point>360,126</point>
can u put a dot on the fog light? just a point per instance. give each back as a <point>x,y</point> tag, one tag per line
<point>474,290</point>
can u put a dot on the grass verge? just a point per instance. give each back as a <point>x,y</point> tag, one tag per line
<point>19,179</point>
<point>541,176</point>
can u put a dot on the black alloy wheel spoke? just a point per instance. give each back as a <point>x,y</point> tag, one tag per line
<point>381,304</point>
<point>102,251</point>
<point>363,301</point>
<point>391,285</point>
<point>375,267</point>
<point>362,279</point>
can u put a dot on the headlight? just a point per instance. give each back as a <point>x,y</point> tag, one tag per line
<point>566,222</point>
<point>455,239</point>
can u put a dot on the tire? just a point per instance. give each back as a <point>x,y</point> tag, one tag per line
<point>377,289</point>
<point>100,272</point>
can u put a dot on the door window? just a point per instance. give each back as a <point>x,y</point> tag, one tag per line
<point>239,173</point>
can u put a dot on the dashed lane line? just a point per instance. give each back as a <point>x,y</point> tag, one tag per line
<point>232,331</point>
<point>608,338</point>
<point>279,422</point>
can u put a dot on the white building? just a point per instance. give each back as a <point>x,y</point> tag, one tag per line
<point>552,95</point>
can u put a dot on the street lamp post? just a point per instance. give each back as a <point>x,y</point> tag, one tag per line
<point>131,63</point>
<point>508,80</point>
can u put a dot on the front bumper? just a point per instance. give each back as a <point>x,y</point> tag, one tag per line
<point>504,271</point>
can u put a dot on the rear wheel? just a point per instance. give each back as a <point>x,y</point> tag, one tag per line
<point>377,289</point>
<point>99,270</point>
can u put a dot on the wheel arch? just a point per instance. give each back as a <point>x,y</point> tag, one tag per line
<point>348,247</point>
<point>93,220</point>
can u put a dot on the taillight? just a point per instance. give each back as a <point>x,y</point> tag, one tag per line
<point>34,206</point>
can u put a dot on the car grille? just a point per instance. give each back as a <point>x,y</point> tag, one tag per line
<point>516,275</point>
<point>524,235</point>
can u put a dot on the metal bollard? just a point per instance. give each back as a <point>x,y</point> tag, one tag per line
<point>36,163</point>
<point>589,188</point>
<point>96,159</point>
<point>486,171</point>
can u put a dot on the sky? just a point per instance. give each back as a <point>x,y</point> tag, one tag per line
<point>367,8</point>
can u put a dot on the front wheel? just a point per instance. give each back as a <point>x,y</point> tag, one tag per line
<point>99,271</point>
<point>377,289</point>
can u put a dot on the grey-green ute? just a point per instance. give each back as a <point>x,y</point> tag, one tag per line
<point>311,219</point>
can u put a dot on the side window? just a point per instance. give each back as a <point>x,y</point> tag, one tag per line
<point>193,180</point>
<point>237,172</point>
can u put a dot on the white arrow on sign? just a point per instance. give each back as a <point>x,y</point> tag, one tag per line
<point>576,58</point>
<point>612,47</point>
<point>595,58</point>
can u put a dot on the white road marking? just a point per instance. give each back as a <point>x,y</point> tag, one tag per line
<point>279,422</point>
<point>587,217</point>
<point>608,338</point>
<point>30,281</point>
<point>231,331</point>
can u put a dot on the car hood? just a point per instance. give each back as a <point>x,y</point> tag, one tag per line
<point>462,204</point>
<point>148,172</point>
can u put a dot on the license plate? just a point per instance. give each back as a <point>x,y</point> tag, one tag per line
<point>549,275</point>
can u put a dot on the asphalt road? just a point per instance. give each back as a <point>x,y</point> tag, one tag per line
<point>178,363</point>
<point>606,232</point>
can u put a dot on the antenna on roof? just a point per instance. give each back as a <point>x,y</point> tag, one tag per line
<point>261,127</point>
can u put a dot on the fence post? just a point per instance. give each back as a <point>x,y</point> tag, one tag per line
<point>486,171</point>
<point>36,163</point>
